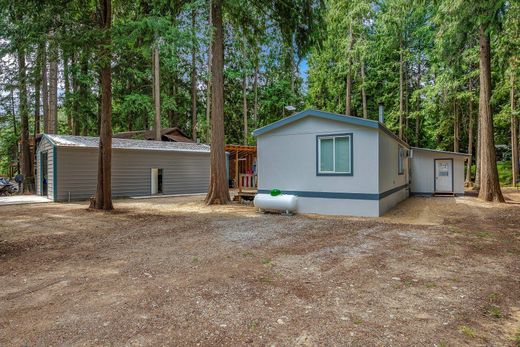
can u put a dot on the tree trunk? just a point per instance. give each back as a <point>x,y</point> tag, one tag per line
<point>104,178</point>
<point>456,127</point>
<point>255,91</point>
<point>193,76</point>
<point>401,88</point>
<point>67,103</point>
<point>82,125</point>
<point>218,192</point>
<point>75,102</point>
<point>291,67</point>
<point>514,133</point>
<point>363,91</point>
<point>37,90</point>
<point>53,89</point>
<point>172,121</point>
<point>489,184</point>
<point>478,156</point>
<point>208,85</point>
<point>157,93</point>
<point>348,89</point>
<point>244,106</point>
<point>418,107</point>
<point>470,135</point>
<point>26,158</point>
<point>45,89</point>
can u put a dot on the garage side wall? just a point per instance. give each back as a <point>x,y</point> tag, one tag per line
<point>423,174</point>
<point>183,172</point>
<point>45,146</point>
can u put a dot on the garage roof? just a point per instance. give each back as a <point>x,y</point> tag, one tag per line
<point>442,152</point>
<point>93,142</point>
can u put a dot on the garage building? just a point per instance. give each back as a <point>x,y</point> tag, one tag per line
<point>67,167</point>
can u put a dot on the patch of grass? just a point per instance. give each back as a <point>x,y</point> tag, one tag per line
<point>494,311</point>
<point>195,259</point>
<point>247,254</point>
<point>516,338</point>
<point>469,332</point>
<point>442,344</point>
<point>484,234</point>
<point>267,261</point>
<point>358,321</point>
<point>430,285</point>
<point>494,297</point>
<point>253,325</point>
<point>408,283</point>
<point>266,280</point>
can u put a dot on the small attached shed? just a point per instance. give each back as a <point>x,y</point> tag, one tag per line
<point>334,164</point>
<point>67,167</point>
<point>437,172</point>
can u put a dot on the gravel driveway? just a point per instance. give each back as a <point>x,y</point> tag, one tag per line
<point>434,271</point>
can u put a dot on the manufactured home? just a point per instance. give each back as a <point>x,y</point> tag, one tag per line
<point>343,165</point>
<point>67,167</point>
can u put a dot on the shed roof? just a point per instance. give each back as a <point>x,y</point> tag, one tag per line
<point>169,134</point>
<point>330,116</point>
<point>441,152</point>
<point>93,142</point>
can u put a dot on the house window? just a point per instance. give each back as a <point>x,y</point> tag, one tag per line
<point>334,155</point>
<point>402,156</point>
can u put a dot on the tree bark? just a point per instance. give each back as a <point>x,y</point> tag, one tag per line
<point>67,103</point>
<point>82,124</point>
<point>45,89</point>
<point>418,107</point>
<point>218,192</point>
<point>157,93</point>
<point>104,179</point>
<point>244,106</point>
<point>53,89</point>
<point>37,90</point>
<point>514,133</point>
<point>75,102</point>
<point>26,158</point>
<point>470,135</point>
<point>348,87</point>
<point>456,127</point>
<point>255,91</point>
<point>193,76</point>
<point>489,184</point>
<point>363,91</point>
<point>478,156</point>
<point>401,88</point>
<point>208,85</point>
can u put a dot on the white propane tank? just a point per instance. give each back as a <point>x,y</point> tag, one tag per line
<point>286,203</point>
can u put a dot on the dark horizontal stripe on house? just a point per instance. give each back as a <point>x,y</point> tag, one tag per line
<point>334,195</point>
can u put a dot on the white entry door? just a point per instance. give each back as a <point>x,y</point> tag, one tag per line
<point>443,176</point>
<point>154,181</point>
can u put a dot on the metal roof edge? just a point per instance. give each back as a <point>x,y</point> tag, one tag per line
<point>320,114</point>
<point>441,151</point>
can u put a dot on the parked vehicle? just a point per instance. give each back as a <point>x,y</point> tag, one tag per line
<point>6,187</point>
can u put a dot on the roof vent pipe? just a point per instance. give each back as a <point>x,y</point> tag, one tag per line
<point>381,113</point>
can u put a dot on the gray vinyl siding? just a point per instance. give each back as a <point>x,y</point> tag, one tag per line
<point>389,177</point>
<point>287,158</point>
<point>423,171</point>
<point>45,146</point>
<point>183,172</point>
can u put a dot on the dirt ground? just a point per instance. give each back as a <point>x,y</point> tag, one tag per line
<point>171,271</point>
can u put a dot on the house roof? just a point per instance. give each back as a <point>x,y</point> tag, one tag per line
<point>93,142</point>
<point>173,134</point>
<point>442,152</point>
<point>330,116</point>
